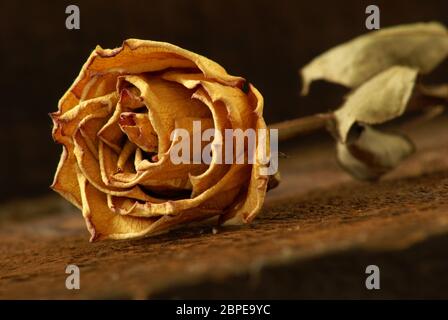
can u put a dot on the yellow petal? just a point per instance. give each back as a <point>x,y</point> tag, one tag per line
<point>104,223</point>
<point>90,168</point>
<point>139,130</point>
<point>251,203</point>
<point>139,56</point>
<point>65,181</point>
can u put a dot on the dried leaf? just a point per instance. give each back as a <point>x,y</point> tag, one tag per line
<point>380,99</point>
<point>421,46</point>
<point>373,153</point>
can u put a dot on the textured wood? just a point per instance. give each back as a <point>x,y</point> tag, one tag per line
<point>317,233</point>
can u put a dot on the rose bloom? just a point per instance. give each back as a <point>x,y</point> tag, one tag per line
<point>115,123</point>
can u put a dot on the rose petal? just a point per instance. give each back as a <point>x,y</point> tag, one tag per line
<point>65,180</point>
<point>251,204</point>
<point>139,130</point>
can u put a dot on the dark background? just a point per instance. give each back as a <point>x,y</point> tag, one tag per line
<point>263,41</point>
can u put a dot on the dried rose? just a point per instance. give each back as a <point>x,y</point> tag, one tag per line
<point>115,123</point>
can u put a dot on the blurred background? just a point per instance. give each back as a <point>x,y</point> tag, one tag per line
<point>266,42</point>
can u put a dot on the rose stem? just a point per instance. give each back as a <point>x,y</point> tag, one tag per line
<point>291,128</point>
<point>301,126</point>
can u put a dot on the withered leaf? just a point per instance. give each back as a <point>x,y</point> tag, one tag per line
<point>380,99</point>
<point>421,46</point>
<point>373,153</point>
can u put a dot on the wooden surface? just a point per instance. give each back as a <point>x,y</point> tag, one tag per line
<point>317,233</point>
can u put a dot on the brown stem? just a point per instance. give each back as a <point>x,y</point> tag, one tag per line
<point>422,98</point>
<point>435,91</point>
<point>301,126</point>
